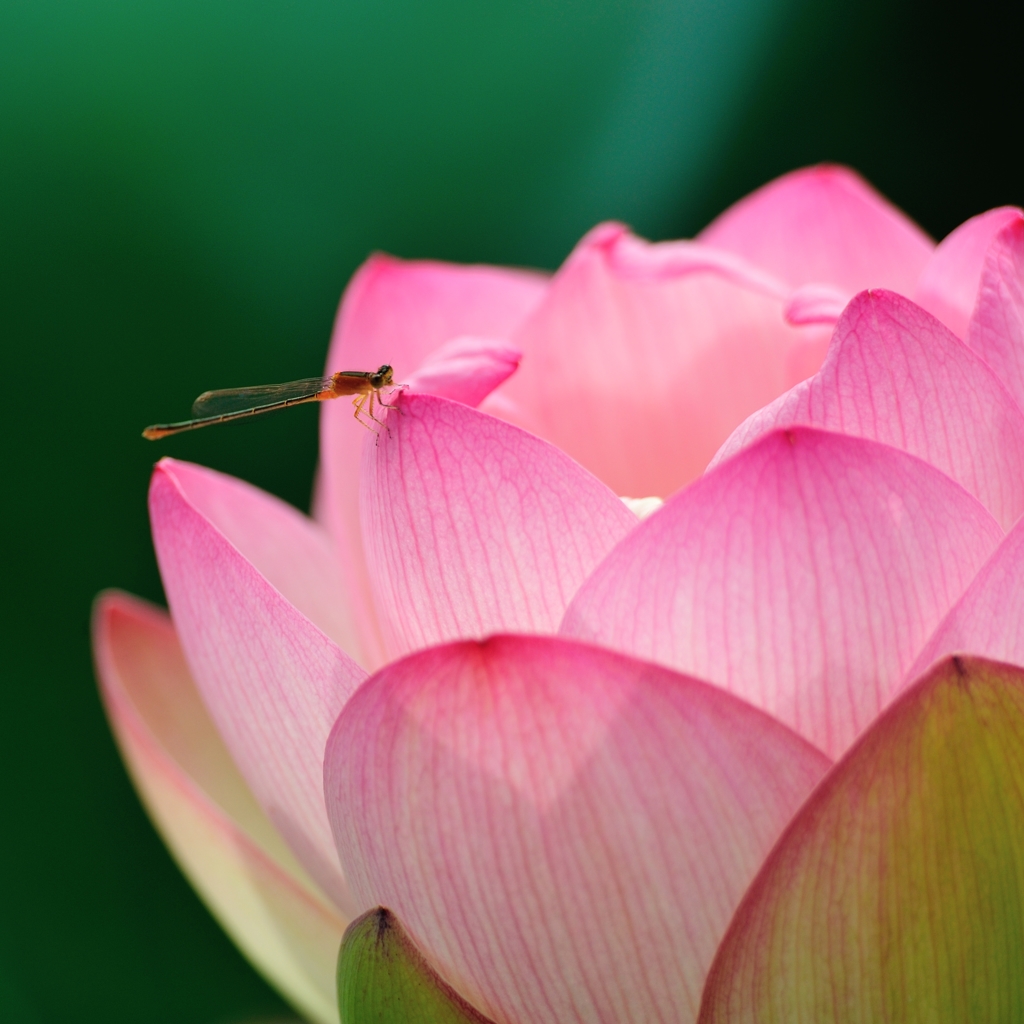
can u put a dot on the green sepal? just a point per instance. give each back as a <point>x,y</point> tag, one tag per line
<point>897,893</point>
<point>384,979</point>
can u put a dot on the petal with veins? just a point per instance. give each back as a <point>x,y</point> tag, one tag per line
<point>564,831</point>
<point>988,620</point>
<point>803,575</point>
<point>996,331</point>
<point>473,526</point>
<point>216,830</point>
<point>894,374</point>
<point>399,312</point>
<point>273,681</point>
<point>897,893</point>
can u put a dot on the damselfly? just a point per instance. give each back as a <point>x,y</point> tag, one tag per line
<point>235,403</point>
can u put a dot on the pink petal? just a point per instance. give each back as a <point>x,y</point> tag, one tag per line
<point>894,374</point>
<point>803,575</point>
<point>948,287</point>
<point>895,894</point>
<point>996,331</point>
<point>465,370</point>
<point>206,814</point>
<point>632,257</point>
<point>399,313</point>
<point>824,225</point>
<point>815,304</point>
<point>273,681</point>
<point>473,526</point>
<point>563,830</point>
<point>638,363</point>
<point>988,620</point>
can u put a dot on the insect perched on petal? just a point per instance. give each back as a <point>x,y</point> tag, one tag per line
<point>235,403</point>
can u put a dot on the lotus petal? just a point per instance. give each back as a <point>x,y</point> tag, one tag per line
<point>894,374</point>
<point>465,370</point>
<point>988,620</point>
<point>472,526</point>
<point>824,225</point>
<point>996,331</point>
<point>639,363</point>
<point>217,832</point>
<point>815,304</point>
<point>897,893</point>
<point>564,831</point>
<point>399,313</point>
<point>949,284</point>
<point>273,681</point>
<point>803,575</point>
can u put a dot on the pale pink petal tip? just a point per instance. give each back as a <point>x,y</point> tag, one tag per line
<point>824,224</point>
<point>465,370</point>
<point>948,287</point>
<point>217,832</point>
<point>564,831</point>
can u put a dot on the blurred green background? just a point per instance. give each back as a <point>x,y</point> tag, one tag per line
<point>185,188</point>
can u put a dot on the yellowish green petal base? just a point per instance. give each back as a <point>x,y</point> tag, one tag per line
<point>897,894</point>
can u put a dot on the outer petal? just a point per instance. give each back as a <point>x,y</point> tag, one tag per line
<point>894,374</point>
<point>273,682</point>
<point>803,575</point>
<point>996,331</point>
<point>206,814</point>
<point>639,364</point>
<point>824,225</point>
<point>399,313</point>
<point>948,287</point>
<point>472,526</point>
<point>988,620</point>
<point>564,830</point>
<point>897,894</point>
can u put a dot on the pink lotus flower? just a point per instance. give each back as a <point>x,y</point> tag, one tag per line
<point>725,761</point>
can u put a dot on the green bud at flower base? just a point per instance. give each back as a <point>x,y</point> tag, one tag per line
<point>384,979</point>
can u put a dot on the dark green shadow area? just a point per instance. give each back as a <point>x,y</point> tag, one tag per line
<point>922,98</point>
<point>184,190</point>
